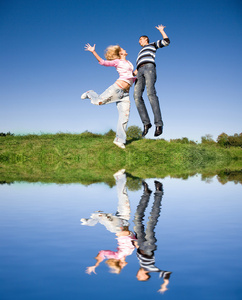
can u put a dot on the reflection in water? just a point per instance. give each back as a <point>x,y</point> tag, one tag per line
<point>146,241</point>
<point>43,253</point>
<point>143,240</point>
<point>6,182</point>
<point>226,176</point>
<point>118,224</point>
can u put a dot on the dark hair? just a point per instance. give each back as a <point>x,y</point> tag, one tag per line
<point>145,36</point>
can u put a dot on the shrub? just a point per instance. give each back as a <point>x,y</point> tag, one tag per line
<point>133,183</point>
<point>222,139</point>
<point>183,140</point>
<point>134,132</point>
<point>230,140</point>
<point>207,139</point>
<point>235,140</point>
<point>6,134</point>
<point>110,133</point>
<point>89,134</point>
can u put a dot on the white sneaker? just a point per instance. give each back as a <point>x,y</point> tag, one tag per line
<point>120,172</point>
<point>120,145</point>
<point>84,95</point>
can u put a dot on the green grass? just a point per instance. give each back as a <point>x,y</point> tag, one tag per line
<point>90,158</point>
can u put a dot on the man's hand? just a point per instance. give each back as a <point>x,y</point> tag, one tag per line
<point>90,48</point>
<point>160,27</point>
<point>162,290</point>
<point>163,287</point>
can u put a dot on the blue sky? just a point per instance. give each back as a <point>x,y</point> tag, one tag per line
<point>44,68</point>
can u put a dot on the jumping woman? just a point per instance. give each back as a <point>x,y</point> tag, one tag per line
<point>119,91</point>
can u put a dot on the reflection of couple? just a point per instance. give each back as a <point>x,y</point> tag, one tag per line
<point>143,240</point>
<point>119,92</point>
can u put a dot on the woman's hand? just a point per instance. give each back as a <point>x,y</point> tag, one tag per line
<point>90,48</point>
<point>91,270</point>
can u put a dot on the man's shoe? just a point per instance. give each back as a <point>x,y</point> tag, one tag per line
<point>146,129</point>
<point>158,186</point>
<point>158,130</point>
<point>146,188</point>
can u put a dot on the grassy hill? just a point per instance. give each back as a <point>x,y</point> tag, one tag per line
<point>90,157</point>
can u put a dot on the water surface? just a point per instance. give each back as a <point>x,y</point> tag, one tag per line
<point>45,250</point>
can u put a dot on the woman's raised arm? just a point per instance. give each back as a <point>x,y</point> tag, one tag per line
<point>90,48</point>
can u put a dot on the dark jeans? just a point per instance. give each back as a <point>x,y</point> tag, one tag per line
<point>146,239</point>
<point>146,77</point>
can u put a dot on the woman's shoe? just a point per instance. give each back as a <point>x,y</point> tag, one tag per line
<point>84,96</point>
<point>120,145</point>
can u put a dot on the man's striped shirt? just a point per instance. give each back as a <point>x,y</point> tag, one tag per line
<point>147,53</point>
<point>148,264</point>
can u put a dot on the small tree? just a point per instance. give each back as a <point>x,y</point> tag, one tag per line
<point>235,140</point>
<point>110,133</point>
<point>134,132</point>
<point>185,140</point>
<point>6,134</point>
<point>207,139</point>
<point>223,140</point>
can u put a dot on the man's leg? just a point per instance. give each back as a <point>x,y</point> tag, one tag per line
<point>139,217</point>
<point>150,79</point>
<point>153,219</point>
<point>139,101</point>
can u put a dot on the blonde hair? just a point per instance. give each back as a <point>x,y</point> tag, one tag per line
<point>114,265</point>
<point>112,52</point>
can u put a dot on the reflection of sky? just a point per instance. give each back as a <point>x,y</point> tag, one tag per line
<point>45,250</point>
<point>44,68</point>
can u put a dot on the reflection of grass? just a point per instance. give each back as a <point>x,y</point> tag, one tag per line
<point>90,158</point>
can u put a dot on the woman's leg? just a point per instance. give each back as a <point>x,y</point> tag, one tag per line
<point>123,210</point>
<point>93,96</point>
<point>123,111</point>
<point>112,94</point>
